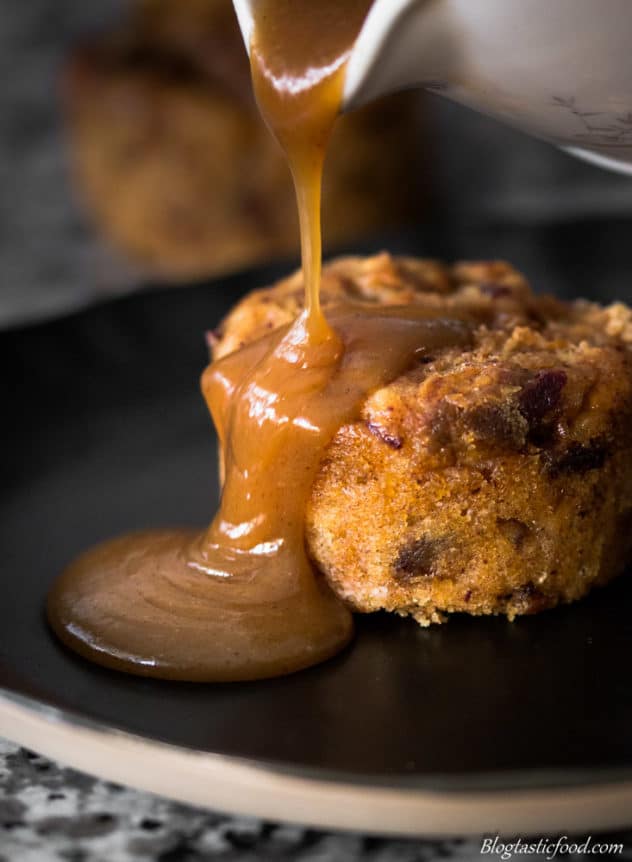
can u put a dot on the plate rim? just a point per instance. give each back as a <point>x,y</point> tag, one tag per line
<point>257,788</point>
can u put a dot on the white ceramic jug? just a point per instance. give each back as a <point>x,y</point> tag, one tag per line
<point>559,69</point>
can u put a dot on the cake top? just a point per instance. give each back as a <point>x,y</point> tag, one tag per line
<point>541,375</point>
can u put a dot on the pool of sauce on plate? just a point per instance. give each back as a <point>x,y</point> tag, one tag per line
<point>242,600</point>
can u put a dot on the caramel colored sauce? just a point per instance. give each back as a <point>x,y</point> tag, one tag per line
<point>298,58</point>
<point>242,600</point>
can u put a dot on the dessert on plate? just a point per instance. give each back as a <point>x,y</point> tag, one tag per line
<point>396,434</point>
<point>491,479</point>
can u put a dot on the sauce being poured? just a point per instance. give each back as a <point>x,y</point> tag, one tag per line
<point>243,600</point>
<point>298,58</point>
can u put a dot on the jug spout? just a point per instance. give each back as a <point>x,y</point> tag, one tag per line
<point>561,70</point>
<point>403,43</point>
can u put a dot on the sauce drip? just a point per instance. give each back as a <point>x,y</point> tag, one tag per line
<point>242,600</point>
<point>298,58</point>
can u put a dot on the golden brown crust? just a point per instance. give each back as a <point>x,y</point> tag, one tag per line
<point>177,166</point>
<point>492,480</point>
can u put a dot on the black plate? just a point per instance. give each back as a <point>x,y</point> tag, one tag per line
<point>105,431</point>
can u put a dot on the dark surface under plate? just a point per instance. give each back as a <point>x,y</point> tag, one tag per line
<point>105,431</point>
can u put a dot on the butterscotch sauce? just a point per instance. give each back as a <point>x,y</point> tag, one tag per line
<point>298,58</point>
<point>242,600</point>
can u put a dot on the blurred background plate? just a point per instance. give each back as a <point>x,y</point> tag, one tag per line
<point>477,725</point>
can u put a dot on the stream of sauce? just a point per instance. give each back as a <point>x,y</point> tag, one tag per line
<point>243,600</point>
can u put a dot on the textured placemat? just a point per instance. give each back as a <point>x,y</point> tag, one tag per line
<point>49,814</point>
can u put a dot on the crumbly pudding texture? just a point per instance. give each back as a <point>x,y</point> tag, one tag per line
<point>495,479</point>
